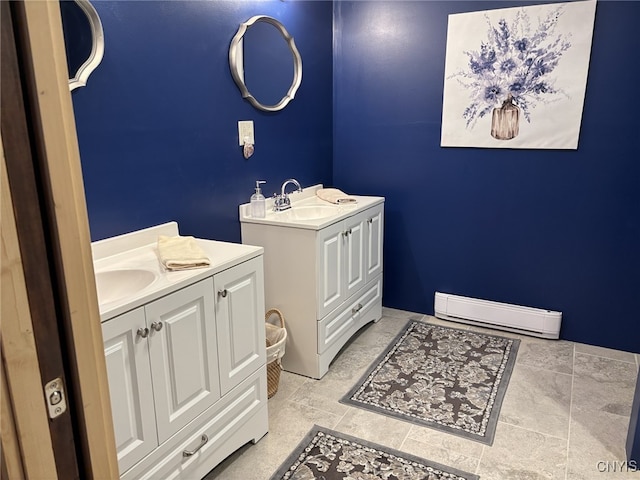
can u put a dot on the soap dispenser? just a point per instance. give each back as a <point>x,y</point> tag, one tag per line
<point>258,209</point>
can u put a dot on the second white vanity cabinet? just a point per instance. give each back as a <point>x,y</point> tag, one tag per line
<point>325,276</point>
<point>187,375</point>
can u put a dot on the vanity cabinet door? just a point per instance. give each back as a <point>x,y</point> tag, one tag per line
<point>240,310</point>
<point>374,225</point>
<point>341,262</point>
<point>329,263</point>
<point>354,254</point>
<point>129,374</point>
<point>184,357</point>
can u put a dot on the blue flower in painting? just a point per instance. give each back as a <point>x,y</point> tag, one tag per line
<point>539,69</point>
<point>484,61</point>
<point>492,93</point>
<point>515,61</point>
<point>507,66</point>
<point>516,88</point>
<point>541,88</point>
<point>521,45</point>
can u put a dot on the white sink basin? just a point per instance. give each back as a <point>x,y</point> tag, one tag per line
<point>113,285</point>
<point>312,212</point>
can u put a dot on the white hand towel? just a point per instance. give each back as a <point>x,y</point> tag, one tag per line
<point>333,195</point>
<point>181,253</point>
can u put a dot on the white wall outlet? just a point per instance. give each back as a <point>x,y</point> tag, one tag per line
<point>245,132</point>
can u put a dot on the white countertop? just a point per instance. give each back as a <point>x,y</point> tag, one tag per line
<point>137,250</point>
<point>308,198</point>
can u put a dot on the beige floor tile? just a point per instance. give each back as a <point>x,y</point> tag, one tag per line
<point>445,441</point>
<point>353,362</point>
<point>296,417</point>
<point>393,312</point>
<point>236,466</point>
<point>520,454</point>
<point>538,400</point>
<point>323,395</point>
<point>605,352</point>
<point>379,335</point>
<point>554,355</point>
<point>451,458</point>
<point>596,442</point>
<point>373,427</point>
<point>288,425</point>
<point>603,369</point>
<point>603,385</point>
<point>287,386</point>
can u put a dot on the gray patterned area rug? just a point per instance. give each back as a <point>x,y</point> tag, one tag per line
<point>445,378</point>
<point>328,455</point>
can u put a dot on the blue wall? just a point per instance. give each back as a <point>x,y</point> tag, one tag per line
<point>550,229</point>
<point>157,126</point>
<point>157,122</point>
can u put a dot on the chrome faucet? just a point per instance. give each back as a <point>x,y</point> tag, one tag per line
<point>282,201</point>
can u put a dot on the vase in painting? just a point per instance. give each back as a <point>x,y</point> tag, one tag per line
<point>505,120</point>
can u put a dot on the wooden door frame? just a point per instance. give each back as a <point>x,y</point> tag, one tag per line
<point>23,196</point>
<point>25,429</point>
<point>38,25</point>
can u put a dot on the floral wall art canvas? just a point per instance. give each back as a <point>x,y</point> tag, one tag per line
<point>516,77</point>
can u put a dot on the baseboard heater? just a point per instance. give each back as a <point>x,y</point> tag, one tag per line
<point>502,316</point>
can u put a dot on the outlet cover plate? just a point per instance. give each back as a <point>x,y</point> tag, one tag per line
<point>245,130</point>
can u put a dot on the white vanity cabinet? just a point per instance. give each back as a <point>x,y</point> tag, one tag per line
<point>187,375</point>
<point>326,280</point>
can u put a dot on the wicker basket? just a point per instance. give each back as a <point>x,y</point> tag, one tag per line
<point>276,341</point>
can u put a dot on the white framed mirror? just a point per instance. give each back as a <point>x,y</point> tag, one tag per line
<point>84,39</point>
<point>290,67</point>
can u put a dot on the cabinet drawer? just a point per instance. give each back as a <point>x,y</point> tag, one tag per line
<point>340,325</point>
<point>221,422</point>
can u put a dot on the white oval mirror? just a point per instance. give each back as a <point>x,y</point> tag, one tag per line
<point>268,39</point>
<point>84,40</point>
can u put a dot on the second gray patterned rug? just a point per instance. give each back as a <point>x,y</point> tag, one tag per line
<point>445,378</point>
<point>329,455</point>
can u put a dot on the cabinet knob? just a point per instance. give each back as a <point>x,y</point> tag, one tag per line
<point>143,332</point>
<point>346,233</point>
<point>157,326</point>
<point>356,309</point>
<point>222,293</point>
<point>370,220</point>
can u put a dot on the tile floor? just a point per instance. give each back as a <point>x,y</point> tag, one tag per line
<point>566,409</point>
